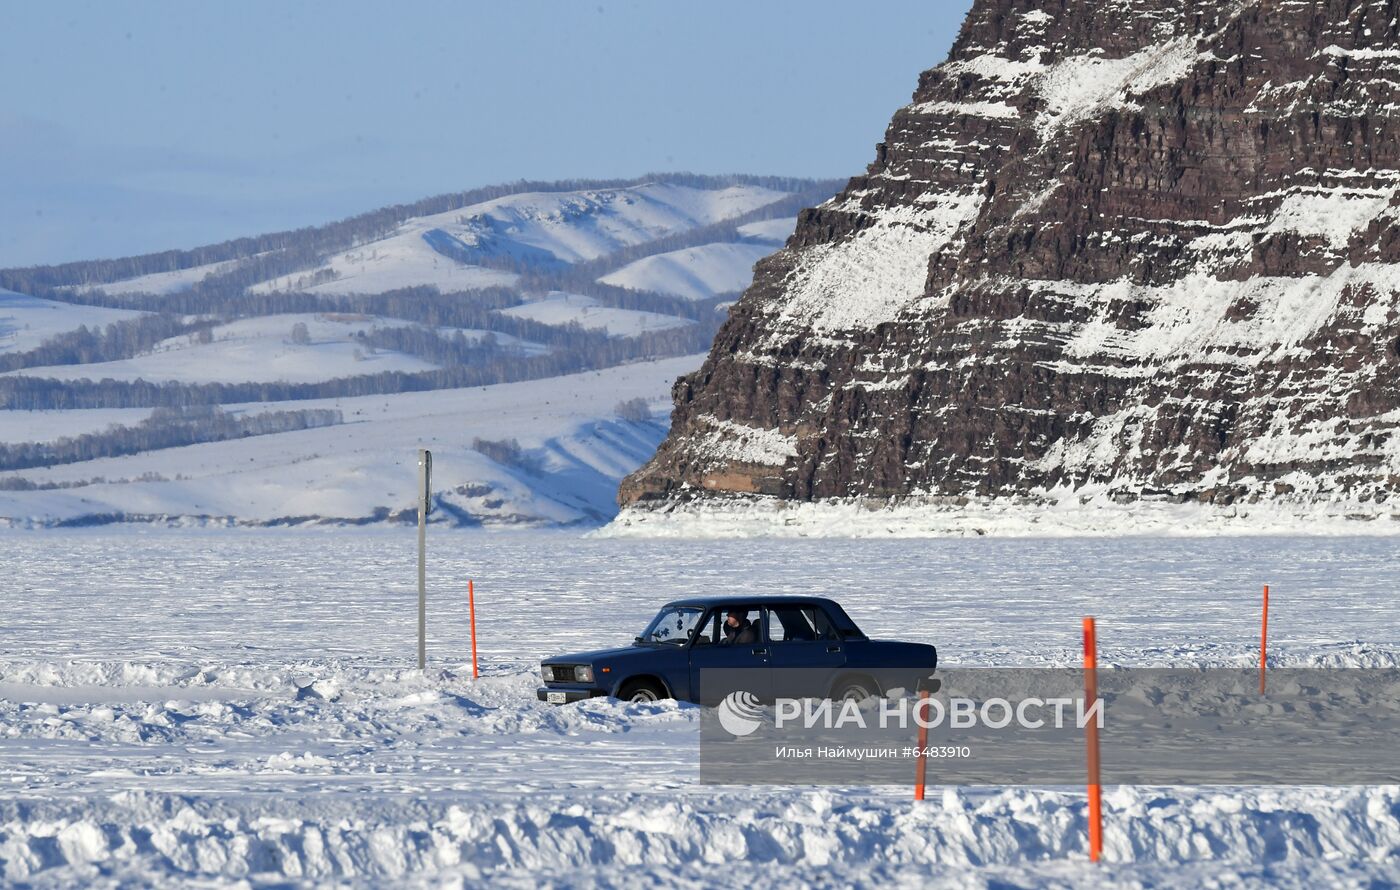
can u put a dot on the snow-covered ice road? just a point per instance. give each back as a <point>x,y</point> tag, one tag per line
<point>235,707</point>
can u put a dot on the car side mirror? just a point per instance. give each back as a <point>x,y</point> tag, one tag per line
<point>636,639</point>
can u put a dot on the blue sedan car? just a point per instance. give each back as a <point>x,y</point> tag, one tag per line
<point>780,646</point>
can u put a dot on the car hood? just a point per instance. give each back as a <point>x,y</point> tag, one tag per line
<point>597,655</point>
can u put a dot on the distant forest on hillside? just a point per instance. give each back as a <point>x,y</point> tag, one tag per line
<point>223,297</point>
<point>269,256</point>
<point>165,428</point>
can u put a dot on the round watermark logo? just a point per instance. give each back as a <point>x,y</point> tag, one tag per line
<point>739,713</point>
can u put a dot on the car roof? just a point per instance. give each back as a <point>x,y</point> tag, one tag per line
<point>753,601</point>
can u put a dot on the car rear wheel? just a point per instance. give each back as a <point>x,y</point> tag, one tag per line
<point>854,689</point>
<point>641,690</point>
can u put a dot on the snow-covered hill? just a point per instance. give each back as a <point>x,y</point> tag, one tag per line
<point>695,273</point>
<point>265,350</point>
<point>406,261</point>
<point>560,450</point>
<point>464,248</point>
<point>444,250</point>
<point>252,350</point>
<point>26,322</point>
<point>167,282</point>
<point>559,309</point>
<point>526,334</point>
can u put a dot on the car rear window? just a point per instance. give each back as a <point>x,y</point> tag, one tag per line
<point>799,623</point>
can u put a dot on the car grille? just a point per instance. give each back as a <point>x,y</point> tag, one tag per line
<point>564,673</point>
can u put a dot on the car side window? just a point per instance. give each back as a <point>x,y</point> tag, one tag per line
<point>775,627</point>
<point>744,629</point>
<point>708,631</point>
<point>788,623</point>
<point>824,628</point>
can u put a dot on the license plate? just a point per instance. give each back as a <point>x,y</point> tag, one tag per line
<point>555,698</point>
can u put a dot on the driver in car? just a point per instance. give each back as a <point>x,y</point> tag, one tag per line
<point>738,629</point>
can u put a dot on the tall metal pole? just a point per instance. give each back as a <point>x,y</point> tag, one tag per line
<point>425,473</point>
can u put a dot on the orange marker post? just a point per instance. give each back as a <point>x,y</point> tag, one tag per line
<point>920,763</point>
<point>1091,735</point>
<point>1264,643</point>
<point>471,606</point>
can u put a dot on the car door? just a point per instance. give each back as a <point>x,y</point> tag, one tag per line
<point>806,651</point>
<point>730,665</point>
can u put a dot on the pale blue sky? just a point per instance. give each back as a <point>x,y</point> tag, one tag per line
<point>133,127</point>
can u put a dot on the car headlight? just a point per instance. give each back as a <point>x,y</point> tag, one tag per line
<point>584,673</point>
<point>548,671</point>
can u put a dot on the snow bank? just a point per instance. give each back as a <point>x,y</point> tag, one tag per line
<point>742,840</point>
<point>1098,515</point>
<point>152,702</point>
<point>285,757</point>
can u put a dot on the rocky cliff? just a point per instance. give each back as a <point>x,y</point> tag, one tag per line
<point>1112,252</point>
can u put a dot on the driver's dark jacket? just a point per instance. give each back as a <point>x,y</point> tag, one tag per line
<point>746,632</point>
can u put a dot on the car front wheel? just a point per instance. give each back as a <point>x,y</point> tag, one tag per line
<point>641,690</point>
<point>854,689</point>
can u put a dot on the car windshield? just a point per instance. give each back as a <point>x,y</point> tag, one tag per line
<point>673,625</point>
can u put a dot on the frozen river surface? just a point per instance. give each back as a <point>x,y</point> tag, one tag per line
<point>239,706</point>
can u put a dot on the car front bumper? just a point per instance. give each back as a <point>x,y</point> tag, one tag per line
<point>570,693</point>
